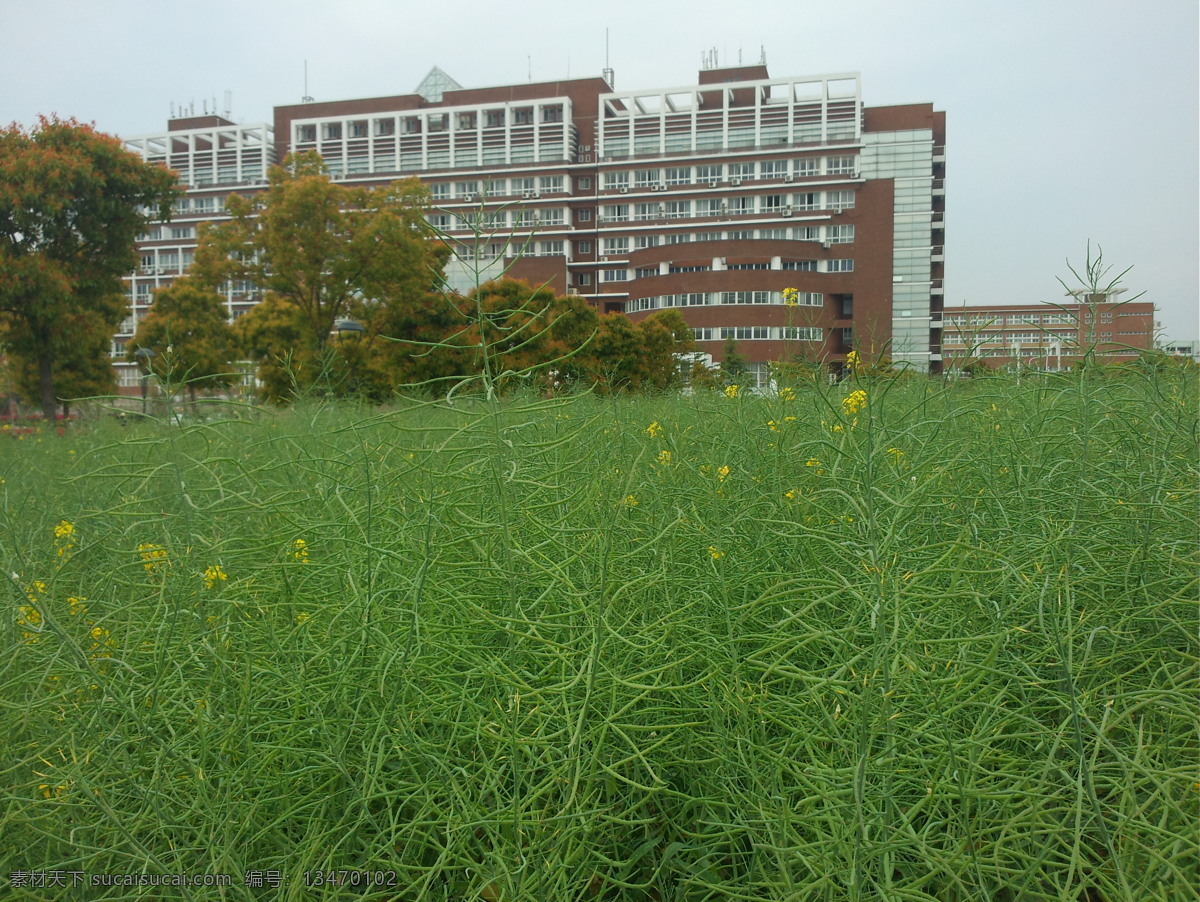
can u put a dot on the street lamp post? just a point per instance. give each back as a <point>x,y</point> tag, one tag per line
<point>345,327</point>
<point>144,356</point>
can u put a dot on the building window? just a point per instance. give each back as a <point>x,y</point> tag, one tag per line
<point>645,272</point>
<point>840,266</point>
<point>583,215</point>
<point>644,241</point>
<point>838,199</point>
<point>616,246</point>
<point>523,116</point>
<point>839,165</point>
<point>182,234</point>
<point>615,180</point>
<point>333,131</point>
<point>774,169</point>
<point>583,247</point>
<point>679,175</point>
<point>614,275</point>
<point>843,234</point>
<point>494,119</point>
<point>440,190</point>
<point>616,212</point>
<point>583,278</point>
<point>358,129</point>
<point>306,133</point>
<point>551,183</point>
<point>584,183</point>
<point>744,171</point>
<point>804,167</point>
<point>644,178</point>
<point>385,127</point>
<point>711,173</point>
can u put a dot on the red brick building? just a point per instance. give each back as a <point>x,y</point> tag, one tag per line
<point>1049,336</point>
<point>711,198</point>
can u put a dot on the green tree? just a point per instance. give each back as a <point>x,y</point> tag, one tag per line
<point>83,368</point>
<point>733,364</point>
<point>324,252</point>
<point>187,330</point>
<point>72,203</point>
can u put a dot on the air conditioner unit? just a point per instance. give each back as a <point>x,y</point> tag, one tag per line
<point>624,189</point>
<point>735,182</point>
<point>826,244</point>
<point>572,291</point>
<point>468,198</point>
<point>535,194</point>
<point>786,212</point>
<point>789,178</point>
<point>604,259</point>
<point>713,184</point>
<point>837,210</point>
<point>527,194</point>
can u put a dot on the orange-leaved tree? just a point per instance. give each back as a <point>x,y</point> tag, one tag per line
<point>72,203</point>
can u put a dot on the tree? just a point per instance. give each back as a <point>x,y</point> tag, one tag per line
<point>82,366</point>
<point>72,202</point>
<point>733,364</point>
<point>324,252</point>
<point>187,330</point>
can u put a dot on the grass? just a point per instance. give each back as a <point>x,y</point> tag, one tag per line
<point>943,647</point>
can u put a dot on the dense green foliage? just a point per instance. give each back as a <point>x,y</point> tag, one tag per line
<point>72,202</point>
<point>192,341</point>
<point>881,640</point>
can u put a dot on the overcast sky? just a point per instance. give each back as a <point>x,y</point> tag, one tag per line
<point>1067,121</point>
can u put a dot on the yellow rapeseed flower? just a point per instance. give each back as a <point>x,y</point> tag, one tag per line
<point>854,402</point>
<point>789,297</point>
<point>731,391</point>
<point>854,362</point>
<point>786,394</point>
<point>64,537</point>
<point>895,452</point>
<point>664,458</point>
<point>302,617</point>
<point>154,557</point>
<point>630,501</point>
<point>300,551</point>
<point>722,473</point>
<point>715,552</point>
<point>654,430</point>
<point>213,574</point>
<point>790,494</point>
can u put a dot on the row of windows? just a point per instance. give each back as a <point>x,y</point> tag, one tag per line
<point>771,204</point>
<point>1014,319</point>
<point>174,233</point>
<point>827,234</point>
<point>760,333</point>
<point>1010,338</point>
<point>734,172</point>
<point>192,206</point>
<point>524,218</point>
<point>623,275</point>
<point>474,189</point>
<point>465,120</point>
<point>720,298</point>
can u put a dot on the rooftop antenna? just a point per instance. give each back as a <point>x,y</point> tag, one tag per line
<point>762,55</point>
<point>306,98</point>
<point>529,67</point>
<point>608,72</point>
<point>172,109</point>
<point>228,104</point>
